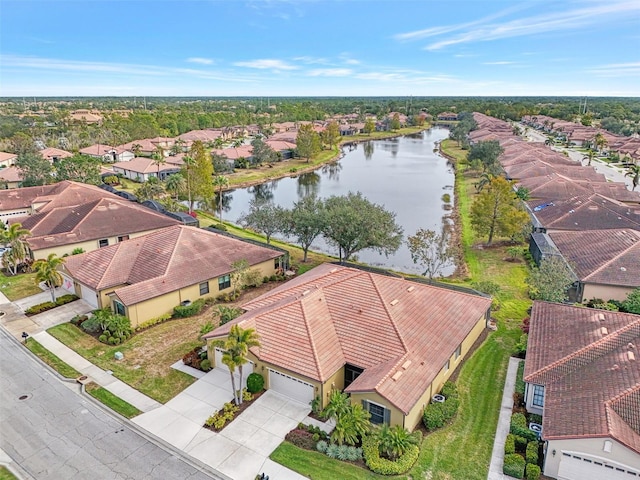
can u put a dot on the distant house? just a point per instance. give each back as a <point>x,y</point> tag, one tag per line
<point>86,116</point>
<point>7,159</point>
<point>69,215</point>
<point>141,169</point>
<point>54,155</point>
<point>147,276</point>
<point>582,374</point>
<point>388,342</point>
<point>283,147</point>
<point>106,153</point>
<point>10,177</point>
<point>447,117</point>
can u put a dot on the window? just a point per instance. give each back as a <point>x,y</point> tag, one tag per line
<point>458,352</point>
<point>379,414</point>
<point>224,282</point>
<point>538,395</point>
<point>122,238</point>
<point>103,243</point>
<point>118,308</point>
<point>350,374</point>
<point>447,365</point>
<point>204,288</point>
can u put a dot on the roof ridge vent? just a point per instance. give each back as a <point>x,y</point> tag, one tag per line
<point>406,364</point>
<point>394,302</point>
<point>631,356</point>
<point>411,288</point>
<point>306,292</point>
<point>397,375</point>
<point>601,317</point>
<point>604,331</point>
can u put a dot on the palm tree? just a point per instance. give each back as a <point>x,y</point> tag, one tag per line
<point>236,348</point>
<point>188,163</point>
<point>158,159</point>
<point>220,181</point>
<point>14,237</point>
<point>136,148</point>
<point>633,171</point>
<point>175,183</point>
<point>393,442</point>
<point>337,406</point>
<point>47,272</point>
<point>485,179</point>
<point>600,141</point>
<point>591,154</point>
<point>351,426</point>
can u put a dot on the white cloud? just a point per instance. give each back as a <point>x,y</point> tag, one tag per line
<point>503,62</point>
<point>200,60</point>
<point>631,69</point>
<point>346,58</point>
<point>330,72</point>
<point>267,63</point>
<point>311,60</point>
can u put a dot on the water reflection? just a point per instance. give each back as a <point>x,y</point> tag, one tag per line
<point>308,184</point>
<point>332,170</point>
<point>368,149</point>
<point>264,191</point>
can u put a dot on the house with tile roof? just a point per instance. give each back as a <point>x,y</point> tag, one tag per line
<point>106,153</point>
<point>70,215</point>
<point>582,374</point>
<point>147,276</point>
<point>10,177</point>
<point>54,155</point>
<point>389,342</point>
<point>140,169</point>
<point>7,159</point>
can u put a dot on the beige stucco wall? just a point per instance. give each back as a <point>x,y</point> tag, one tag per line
<point>335,381</point>
<point>397,417</point>
<point>88,246</point>
<point>592,447</point>
<point>605,292</point>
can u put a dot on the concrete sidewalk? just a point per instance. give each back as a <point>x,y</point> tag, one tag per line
<point>504,421</point>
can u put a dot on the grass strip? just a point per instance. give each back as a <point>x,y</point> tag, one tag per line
<point>5,474</point>
<point>110,400</point>
<point>52,360</point>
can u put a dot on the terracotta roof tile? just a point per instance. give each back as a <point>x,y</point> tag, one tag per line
<point>333,315</point>
<point>591,382</point>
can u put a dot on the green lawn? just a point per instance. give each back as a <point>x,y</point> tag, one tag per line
<point>148,355</point>
<point>50,359</point>
<point>462,450</point>
<point>19,286</point>
<point>5,474</point>
<point>110,400</point>
<point>318,466</point>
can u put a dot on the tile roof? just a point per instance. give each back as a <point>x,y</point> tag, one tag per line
<point>50,152</point>
<point>11,174</point>
<point>4,156</point>
<point>146,165</point>
<point>162,262</point>
<point>608,257</point>
<point>27,196</point>
<point>97,150</point>
<point>591,380</point>
<point>586,212</point>
<point>333,315</point>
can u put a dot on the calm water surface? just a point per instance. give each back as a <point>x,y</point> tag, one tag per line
<point>403,174</point>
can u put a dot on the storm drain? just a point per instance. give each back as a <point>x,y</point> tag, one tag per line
<point>26,396</point>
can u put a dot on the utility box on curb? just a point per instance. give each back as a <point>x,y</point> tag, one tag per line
<point>118,356</point>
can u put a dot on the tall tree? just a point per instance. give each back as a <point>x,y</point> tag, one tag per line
<point>186,173</point>
<point>201,173</point>
<point>175,183</point>
<point>152,189</point>
<point>369,126</point>
<point>79,168</point>
<point>158,160</point>
<point>431,250</point>
<point>633,171</point>
<point>591,154</point>
<point>353,223</point>
<point>487,153</point>
<point>47,272</point>
<point>600,141</point>
<point>395,122</point>
<point>497,211</point>
<point>306,221</point>
<point>35,170</point>
<point>241,340</point>
<point>264,217</point>
<point>262,153</point>
<point>332,134</point>
<point>307,141</point>
<point>15,237</point>
<point>550,280</point>
<point>220,182</point>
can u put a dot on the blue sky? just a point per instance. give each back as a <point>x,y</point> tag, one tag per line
<point>314,48</point>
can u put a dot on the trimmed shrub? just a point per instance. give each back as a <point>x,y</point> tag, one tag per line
<point>183,311</point>
<point>510,444</point>
<point>64,299</point>
<point>247,396</point>
<point>433,416</point>
<point>521,443</point>
<point>535,418</point>
<point>153,321</point>
<point>354,454</point>
<point>533,471</point>
<point>321,446</point>
<point>39,308</point>
<point>371,454</point>
<point>518,419</point>
<point>205,365</point>
<point>523,432</point>
<point>532,453</point>
<point>301,438</point>
<point>332,450</point>
<point>449,390</point>
<point>255,382</point>
<point>514,465</point>
<point>103,338</point>
<point>228,313</point>
<point>436,414</point>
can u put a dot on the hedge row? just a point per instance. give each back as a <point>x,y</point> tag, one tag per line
<point>183,311</point>
<point>514,465</point>
<point>533,471</point>
<point>437,414</point>
<point>532,453</point>
<point>380,465</point>
<point>43,307</point>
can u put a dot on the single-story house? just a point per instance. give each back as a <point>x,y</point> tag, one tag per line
<point>146,277</point>
<point>390,343</point>
<point>70,215</point>
<point>447,117</point>
<point>54,155</point>
<point>106,153</point>
<point>582,374</point>
<point>10,177</point>
<point>141,169</point>
<point>86,116</point>
<point>7,159</point>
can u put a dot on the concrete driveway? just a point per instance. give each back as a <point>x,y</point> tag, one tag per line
<point>242,449</point>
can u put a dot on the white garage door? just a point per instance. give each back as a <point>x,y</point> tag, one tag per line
<point>89,296</point>
<point>575,466</point>
<point>291,387</point>
<point>247,368</point>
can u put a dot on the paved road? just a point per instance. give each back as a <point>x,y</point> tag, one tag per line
<point>55,433</point>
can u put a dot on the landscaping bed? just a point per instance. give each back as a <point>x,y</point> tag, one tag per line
<point>219,420</point>
<point>43,307</point>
